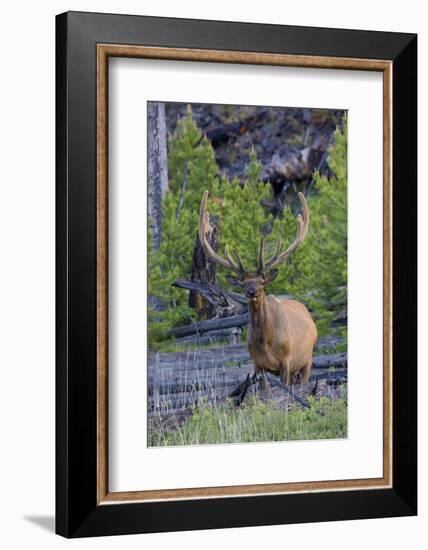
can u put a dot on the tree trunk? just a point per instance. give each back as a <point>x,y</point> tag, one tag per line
<point>203,271</point>
<point>158,167</point>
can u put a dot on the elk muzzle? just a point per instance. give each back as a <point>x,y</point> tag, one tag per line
<point>251,291</point>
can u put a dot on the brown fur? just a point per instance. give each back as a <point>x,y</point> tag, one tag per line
<point>281,336</point>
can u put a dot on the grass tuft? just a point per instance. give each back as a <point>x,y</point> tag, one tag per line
<point>257,421</point>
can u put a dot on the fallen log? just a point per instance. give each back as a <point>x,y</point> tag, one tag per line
<point>174,383</point>
<point>231,336</point>
<point>175,386</point>
<point>221,302</point>
<point>225,336</point>
<point>182,362</point>
<point>336,360</point>
<point>182,401</point>
<point>339,376</point>
<point>241,390</point>
<point>221,356</point>
<point>212,324</point>
<point>231,309</point>
<point>212,375</point>
<point>291,390</point>
<point>172,401</point>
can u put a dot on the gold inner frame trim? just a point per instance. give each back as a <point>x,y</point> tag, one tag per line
<point>104,51</point>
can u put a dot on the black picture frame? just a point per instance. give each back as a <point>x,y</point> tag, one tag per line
<point>77,511</point>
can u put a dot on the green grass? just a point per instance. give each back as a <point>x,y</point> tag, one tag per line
<point>256,421</point>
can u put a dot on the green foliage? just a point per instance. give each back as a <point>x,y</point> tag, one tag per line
<point>324,258</point>
<point>256,421</point>
<point>315,274</point>
<point>242,217</point>
<point>192,170</point>
<point>191,161</point>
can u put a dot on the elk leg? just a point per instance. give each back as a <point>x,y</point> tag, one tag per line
<point>260,375</point>
<point>306,372</point>
<point>297,377</point>
<point>264,382</point>
<point>285,372</point>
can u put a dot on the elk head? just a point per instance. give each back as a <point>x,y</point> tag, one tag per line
<point>253,282</point>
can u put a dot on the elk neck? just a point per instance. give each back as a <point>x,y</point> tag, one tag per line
<point>259,318</point>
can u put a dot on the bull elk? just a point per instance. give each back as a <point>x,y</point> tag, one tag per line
<point>281,333</point>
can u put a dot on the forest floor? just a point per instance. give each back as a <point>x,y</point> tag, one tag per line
<point>182,382</point>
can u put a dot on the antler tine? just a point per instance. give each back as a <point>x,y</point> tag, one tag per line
<point>274,257</point>
<point>305,214</point>
<point>203,222</point>
<point>239,261</point>
<point>231,260</point>
<point>302,229</point>
<point>261,266</point>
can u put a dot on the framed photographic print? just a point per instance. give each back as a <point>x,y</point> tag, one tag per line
<point>236,274</point>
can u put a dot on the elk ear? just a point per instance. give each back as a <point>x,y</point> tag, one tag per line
<point>233,281</point>
<point>271,276</point>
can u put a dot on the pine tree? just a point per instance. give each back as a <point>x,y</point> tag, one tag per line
<point>323,258</point>
<point>316,273</point>
<point>192,169</point>
<point>243,219</point>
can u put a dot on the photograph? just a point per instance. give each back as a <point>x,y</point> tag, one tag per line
<point>247,254</point>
